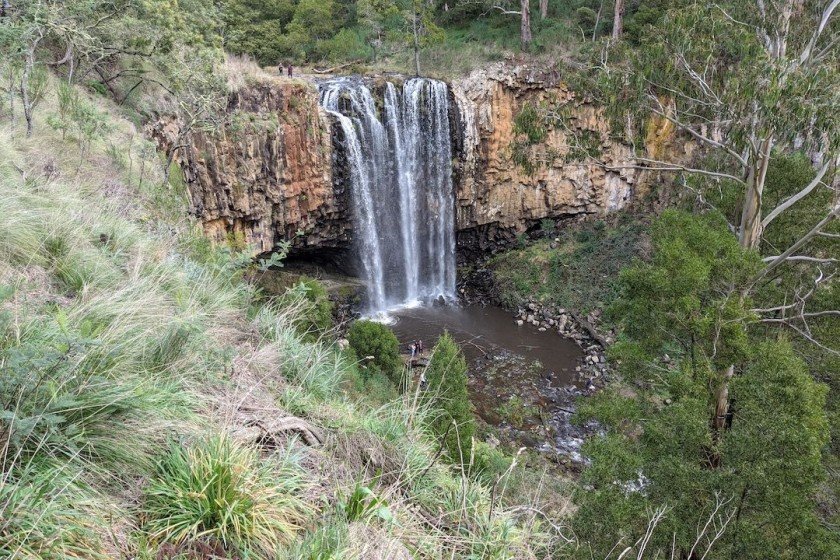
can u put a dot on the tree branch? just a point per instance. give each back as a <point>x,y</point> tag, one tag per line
<point>803,334</point>
<point>796,246</point>
<point>701,137</point>
<point>798,196</point>
<point>826,15</point>
<point>802,258</point>
<point>665,166</point>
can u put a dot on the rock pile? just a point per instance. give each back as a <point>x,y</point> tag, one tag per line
<point>593,366</point>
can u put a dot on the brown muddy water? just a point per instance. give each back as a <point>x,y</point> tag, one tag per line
<point>522,381</point>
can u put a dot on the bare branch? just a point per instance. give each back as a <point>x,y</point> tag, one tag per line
<point>802,333</point>
<point>802,258</point>
<point>802,241</point>
<point>506,11</point>
<point>798,196</point>
<point>665,166</point>
<point>826,15</point>
<point>701,137</point>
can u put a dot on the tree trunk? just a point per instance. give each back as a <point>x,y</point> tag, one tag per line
<point>597,20</point>
<point>543,9</point>
<point>750,234</point>
<point>719,418</point>
<point>27,102</point>
<point>416,43</point>
<point>618,19</point>
<point>525,27</point>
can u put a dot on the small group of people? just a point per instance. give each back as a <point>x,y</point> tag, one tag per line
<point>287,66</point>
<point>416,348</point>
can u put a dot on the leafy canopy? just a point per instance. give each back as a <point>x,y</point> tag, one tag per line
<point>659,447</point>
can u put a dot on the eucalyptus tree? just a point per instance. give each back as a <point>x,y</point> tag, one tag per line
<point>714,397</point>
<point>747,83</point>
<point>741,79</point>
<point>520,9</point>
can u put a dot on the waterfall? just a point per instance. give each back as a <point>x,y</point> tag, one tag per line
<point>400,163</point>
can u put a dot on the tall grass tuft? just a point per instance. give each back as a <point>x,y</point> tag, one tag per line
<point>220,492</point>
<point>43,514</point>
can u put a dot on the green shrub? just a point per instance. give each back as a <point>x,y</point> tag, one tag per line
<point>448,399</point>
<point>488,462</point>
<point>221,492</point>
<point>530,122</point>
<point>377,348</point>
<point>318,314</point>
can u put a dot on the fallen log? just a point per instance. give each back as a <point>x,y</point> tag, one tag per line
<point>335,68</point>
<point>268,433</point>
<point>589,328</point>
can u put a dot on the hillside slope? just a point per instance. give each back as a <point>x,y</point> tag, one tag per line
<point>157,406</point>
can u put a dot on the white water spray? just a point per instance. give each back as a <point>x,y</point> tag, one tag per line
<point>400,161</point>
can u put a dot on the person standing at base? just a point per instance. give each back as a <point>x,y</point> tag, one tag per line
<point>289,69</point>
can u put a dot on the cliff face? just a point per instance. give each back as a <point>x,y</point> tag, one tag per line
<point>510,177</point>
<point>267,176</point>
<point>277,171</point>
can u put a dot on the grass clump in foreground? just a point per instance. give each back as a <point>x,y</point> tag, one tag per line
<point>224,493</point>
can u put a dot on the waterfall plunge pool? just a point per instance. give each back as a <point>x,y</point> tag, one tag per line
<point>522,381</point>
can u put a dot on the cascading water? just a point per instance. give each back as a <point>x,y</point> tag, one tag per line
<point>400,161</point>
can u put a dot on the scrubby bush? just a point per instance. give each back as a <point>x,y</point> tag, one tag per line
<point>223,493</point>
<point>377,348</point>
<point>316,318</point>
<point>488,462</point>
<point>447,397</point>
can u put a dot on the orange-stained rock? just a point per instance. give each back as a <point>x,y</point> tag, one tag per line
<point>267,175</point>
<point>549,178</point>
<point>271,175</point>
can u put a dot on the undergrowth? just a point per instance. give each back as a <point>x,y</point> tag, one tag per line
<point>576,269</point>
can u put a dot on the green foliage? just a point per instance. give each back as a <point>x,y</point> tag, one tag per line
<point>448,399</point>
<point>78,117</point>
<point>659,447</point>
<point>221,492</point>
<point>687,299</point>
<point>514,411</point>
<point>377,348</point>
<point>320,312</point>
<point>548,227</point>
<point>489,463</point>
<point>530,122</point>
<point>313,22</point>
<point>577,273</point>
<point>311,297</point>
<point>363,505</point>
<point>344,45</point>
<point>254,28</point>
